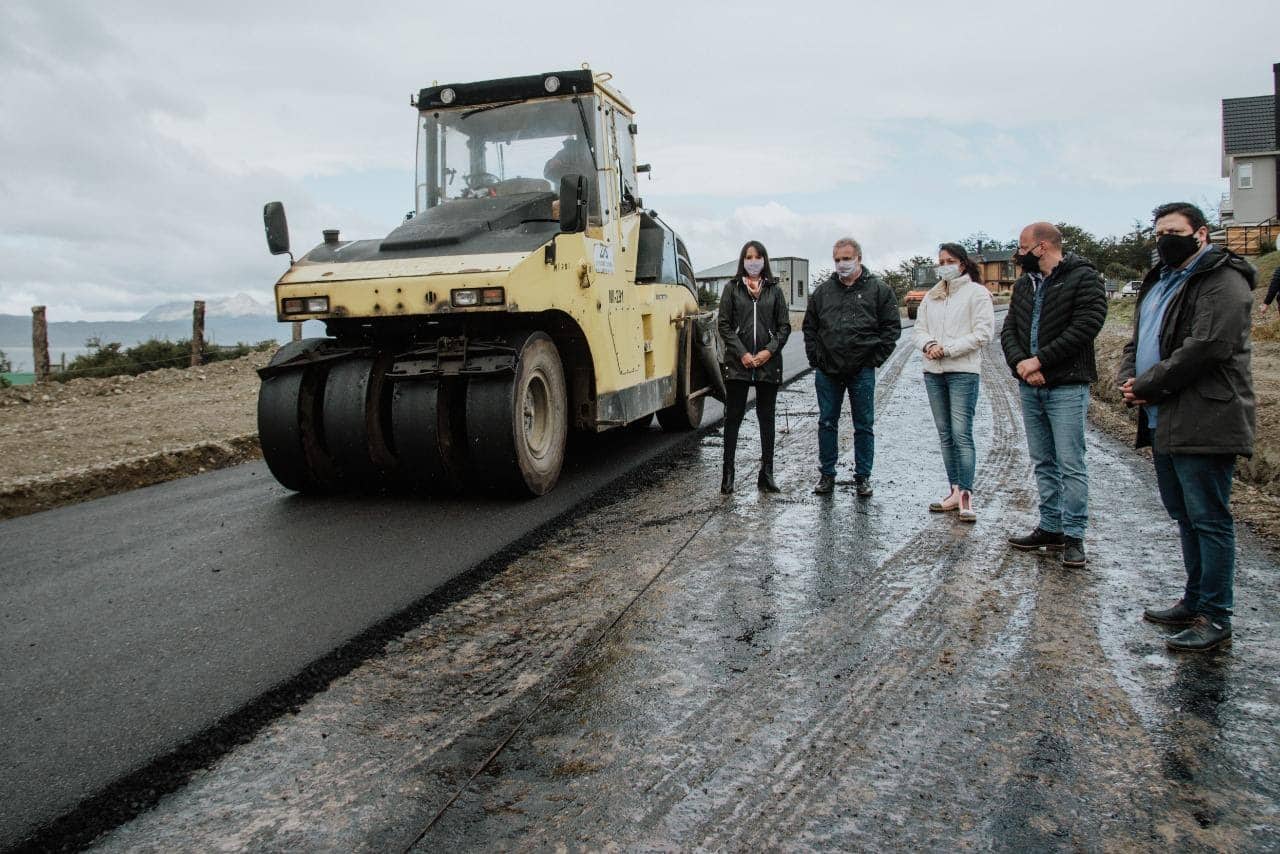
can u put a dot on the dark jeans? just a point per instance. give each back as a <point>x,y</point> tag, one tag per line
<point>953,397</point>
<point>1196,490</point>
<point>735,407</point>
<point>861,388</point>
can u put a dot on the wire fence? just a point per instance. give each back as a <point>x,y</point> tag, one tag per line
<point>113,359</point>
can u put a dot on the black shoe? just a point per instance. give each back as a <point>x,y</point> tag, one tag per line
<point>726,479</point>
<point>1204,634</point>
<point>863,486</point>
<point>1179,615</point>
<point>1073,552</point>
<point>765,481</point>
<point>1037,539</point>
<point>826,484</point>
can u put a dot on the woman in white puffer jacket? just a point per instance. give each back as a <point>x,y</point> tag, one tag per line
<point>954,322</point>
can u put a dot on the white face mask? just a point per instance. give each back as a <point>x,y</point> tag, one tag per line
<point>753,266</point>
<point>845,269</point>
<point>947,272</point>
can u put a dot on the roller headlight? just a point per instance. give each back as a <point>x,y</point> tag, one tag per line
<point>304,305</point>
<point>551,84</point>
<point>447,96</point>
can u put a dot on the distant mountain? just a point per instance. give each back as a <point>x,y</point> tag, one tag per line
<point>15,330</point>
<point>240,305</point>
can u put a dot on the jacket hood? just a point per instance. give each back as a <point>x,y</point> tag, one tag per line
<point>1071,261</point>
<point>1218,257</point>
<point>940,290</point>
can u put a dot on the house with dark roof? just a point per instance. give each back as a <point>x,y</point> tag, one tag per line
<point>1250,156</point>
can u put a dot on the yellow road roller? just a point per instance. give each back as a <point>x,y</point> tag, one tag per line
<point>529,293</point>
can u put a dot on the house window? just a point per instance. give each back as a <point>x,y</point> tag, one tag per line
<point>1244,176</point>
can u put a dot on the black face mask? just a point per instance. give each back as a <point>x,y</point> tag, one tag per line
<point>1175,249</point>
<point>1029,262</point>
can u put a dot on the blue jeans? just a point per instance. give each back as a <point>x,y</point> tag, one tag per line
<point>953,397</point>
<point>861,388</point>
<point>1196,490</point>
<point>1054,420</point>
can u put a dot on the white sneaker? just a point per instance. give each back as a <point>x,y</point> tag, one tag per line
<point>967,513</point>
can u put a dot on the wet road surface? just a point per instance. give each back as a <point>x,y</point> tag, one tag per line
<point>674,669</point>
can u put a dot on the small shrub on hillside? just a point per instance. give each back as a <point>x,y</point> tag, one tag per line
<point>109,360</point>
<point>5,367</point>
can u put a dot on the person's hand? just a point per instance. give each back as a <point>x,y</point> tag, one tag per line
<point>935,351</point>
<point>748,361</point>
<point>1264,308</point>
<point>1028,366</point>
<point>1130,399</point>
<point>762,357</point>
<point>1035,378</point>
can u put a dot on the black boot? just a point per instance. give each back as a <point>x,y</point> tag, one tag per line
<point>726,479</point>
<point>765,482</point>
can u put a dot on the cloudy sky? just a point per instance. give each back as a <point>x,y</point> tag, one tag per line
<point>139,140</point>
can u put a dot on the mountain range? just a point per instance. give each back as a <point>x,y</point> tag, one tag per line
<point>234,320</point>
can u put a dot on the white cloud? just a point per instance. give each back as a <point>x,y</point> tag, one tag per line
<point>986,181</point>
<point>140,138</point>
<point>713,240</point>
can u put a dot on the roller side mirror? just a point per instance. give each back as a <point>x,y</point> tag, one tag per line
<point>573,203</point>
<point>277,228</point>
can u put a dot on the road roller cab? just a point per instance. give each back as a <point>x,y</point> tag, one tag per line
<point>527,294</point>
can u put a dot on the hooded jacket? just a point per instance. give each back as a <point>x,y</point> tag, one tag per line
<point>960,317</point>
<point>1071,316</point>
<point>850,328</point>
<point>1202,383</point>
<point>750,325</point>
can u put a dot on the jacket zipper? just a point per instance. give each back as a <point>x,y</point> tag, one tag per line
<point>755,347</point>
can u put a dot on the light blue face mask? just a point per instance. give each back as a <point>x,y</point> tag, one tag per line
<point>846,268</point>
<point>753,266</point>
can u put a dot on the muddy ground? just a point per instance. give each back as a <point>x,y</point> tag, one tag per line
<point>678,670</point>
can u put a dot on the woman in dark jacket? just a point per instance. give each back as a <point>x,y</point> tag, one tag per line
<point>754,324</point>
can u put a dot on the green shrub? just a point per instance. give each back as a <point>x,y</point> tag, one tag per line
<point>109,360</point>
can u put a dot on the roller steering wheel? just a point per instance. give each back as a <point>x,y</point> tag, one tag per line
<point>481,183</point>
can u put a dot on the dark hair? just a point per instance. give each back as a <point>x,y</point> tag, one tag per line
<point>967,265</point>
<point>766,273</point>
<point>1194,215</point>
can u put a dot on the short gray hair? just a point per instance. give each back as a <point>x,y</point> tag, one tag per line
<point>848,241</point>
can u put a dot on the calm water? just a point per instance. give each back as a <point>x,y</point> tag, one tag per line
<point>20,357</point>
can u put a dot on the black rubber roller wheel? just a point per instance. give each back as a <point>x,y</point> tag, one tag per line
<point>356,415</point>
<point>686,412</point>
<point>517,425</point>
<point>289,429</point>
<point>426,419</point>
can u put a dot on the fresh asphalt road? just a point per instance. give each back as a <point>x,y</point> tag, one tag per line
<point>136,622</point>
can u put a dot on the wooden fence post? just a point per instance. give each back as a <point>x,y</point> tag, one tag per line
<point>40,343</point>
<point>197,334</point>
<point>297,330</point>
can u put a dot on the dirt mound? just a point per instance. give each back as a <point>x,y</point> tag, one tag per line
<point>67,442</point>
